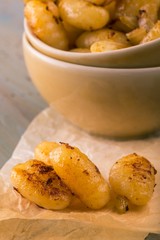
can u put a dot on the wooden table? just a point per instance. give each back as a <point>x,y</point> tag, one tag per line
<point>19,100</point>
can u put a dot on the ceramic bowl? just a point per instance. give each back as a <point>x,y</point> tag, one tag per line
<point>118,103</point>
<point>144,55</point>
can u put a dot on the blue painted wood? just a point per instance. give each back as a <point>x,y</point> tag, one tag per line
<point>19,100</point>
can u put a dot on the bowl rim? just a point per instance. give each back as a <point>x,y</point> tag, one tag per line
<point>54,51</point>
<point>56,62</point>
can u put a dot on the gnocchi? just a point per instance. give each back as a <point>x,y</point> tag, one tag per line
<point>60,171</point>
<point>153,34</point>
<point>83,15</point>
<point>70,24</point>
<point>86,39</point>
<point>40,184</point>
<point>48,28</point>
<point>78,173</point>
<point>133,178</point>
<point>103,46</point>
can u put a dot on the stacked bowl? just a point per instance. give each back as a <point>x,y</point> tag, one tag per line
<point>114,94</point>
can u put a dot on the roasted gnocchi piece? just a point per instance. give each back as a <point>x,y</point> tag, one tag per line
<point>44,20</point>
<point>40,184</point>
<point>42,151</point>
<point>137,35</point>
<point>129,13</point>
<point>86,39</point>
<point>132,178</point>
<point>147,17</point>
<point>83,15</point>
<point>153,34</point>
<point>78,173</point>
<point>104,46</point>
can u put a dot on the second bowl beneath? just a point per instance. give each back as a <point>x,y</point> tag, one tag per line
<point>112,102</point>
<point>144,55</point>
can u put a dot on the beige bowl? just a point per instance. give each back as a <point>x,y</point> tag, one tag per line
<point>144,55</point>
<point>112,102</point>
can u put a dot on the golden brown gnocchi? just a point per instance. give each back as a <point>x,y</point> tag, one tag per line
<point>40,184</point>
<point>133,179</point>
<point>129,13</point>
<point>137,35</point>
<point>77,172</point>
<point>153,34</point>
<point>106,45</point>
<point>61,171</point>
<point>83,15</point>
<point>43,19</point>
<point>87,38</point>
<point>42,151</point>
<point>70,24</point>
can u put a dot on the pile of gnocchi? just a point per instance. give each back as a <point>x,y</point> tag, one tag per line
<point>93,25</point>
<point>60,172</point>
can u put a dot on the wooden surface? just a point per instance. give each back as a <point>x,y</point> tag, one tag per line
<point>19,100</point>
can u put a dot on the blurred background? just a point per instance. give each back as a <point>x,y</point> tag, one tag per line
<point>19,100</point>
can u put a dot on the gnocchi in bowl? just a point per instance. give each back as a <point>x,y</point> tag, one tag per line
<point>103,33</point>
<point>133,57</point>
<point>118,103</point>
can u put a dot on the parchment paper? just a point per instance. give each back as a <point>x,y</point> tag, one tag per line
<point>20,219</point>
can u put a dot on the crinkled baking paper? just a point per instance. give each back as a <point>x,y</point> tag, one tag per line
<point>20,219</point>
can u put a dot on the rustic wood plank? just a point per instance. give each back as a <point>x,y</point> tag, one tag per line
<point>19,100</point>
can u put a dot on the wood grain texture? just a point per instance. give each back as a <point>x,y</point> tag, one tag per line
<point>19,100</point>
